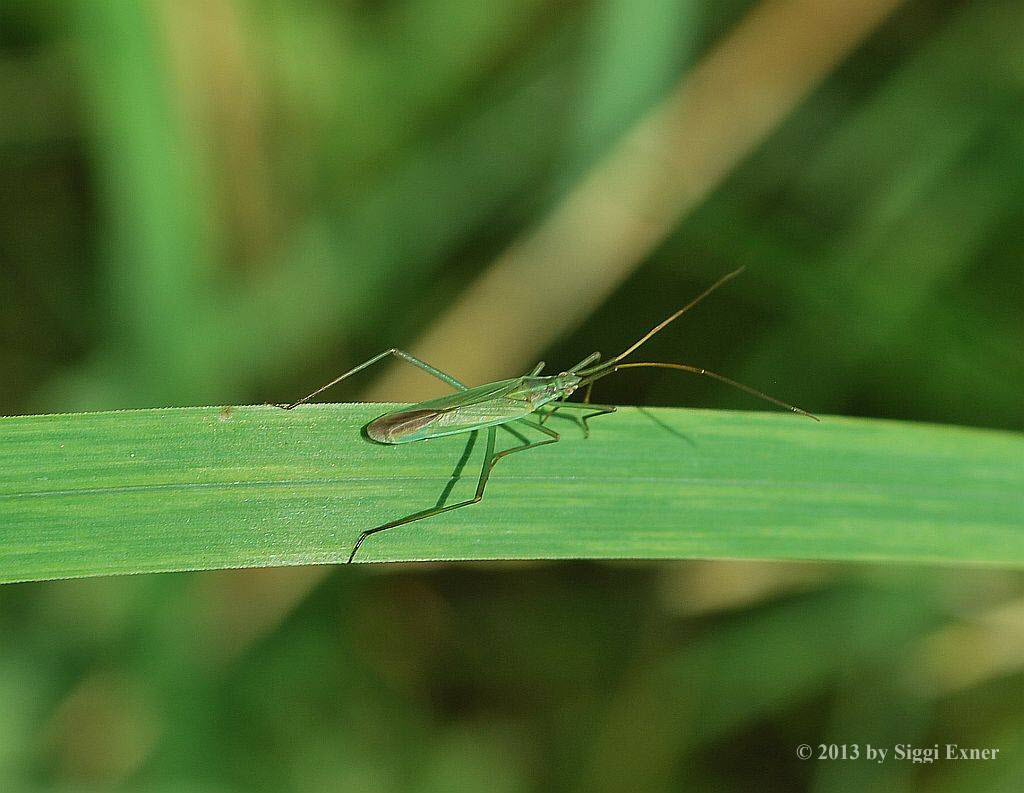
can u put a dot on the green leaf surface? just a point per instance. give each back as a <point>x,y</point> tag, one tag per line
<point>203,488</point>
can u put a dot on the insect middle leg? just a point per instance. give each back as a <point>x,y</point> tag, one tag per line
<point>401,355</point>
<point>490,460</point>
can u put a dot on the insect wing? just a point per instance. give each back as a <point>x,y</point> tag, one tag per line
<point>467,410</point>
<point>471,396</point>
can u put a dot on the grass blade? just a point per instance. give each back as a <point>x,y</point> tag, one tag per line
<point>202,488</point>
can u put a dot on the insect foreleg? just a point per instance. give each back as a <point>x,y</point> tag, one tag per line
<point>602,410</point>
<point>599,410</point>
<point>401,355</point>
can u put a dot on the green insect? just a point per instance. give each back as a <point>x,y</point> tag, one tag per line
<point>507,402</point>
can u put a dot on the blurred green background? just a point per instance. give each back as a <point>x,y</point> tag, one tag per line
<point>232,201</point>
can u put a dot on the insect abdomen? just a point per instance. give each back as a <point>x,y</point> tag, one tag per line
<point>394,427</point>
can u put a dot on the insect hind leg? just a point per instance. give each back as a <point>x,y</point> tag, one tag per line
<point>491,458</point>
<point>437,509</point>
<point>402,355</point>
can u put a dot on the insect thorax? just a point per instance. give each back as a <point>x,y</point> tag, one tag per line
<point>541,390</point>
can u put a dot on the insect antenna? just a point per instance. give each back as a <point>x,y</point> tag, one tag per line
<point>612,365</point>
<point>608,366</point>
<point>714,375</point>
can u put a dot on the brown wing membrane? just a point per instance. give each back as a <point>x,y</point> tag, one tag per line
<point>393,426</point>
